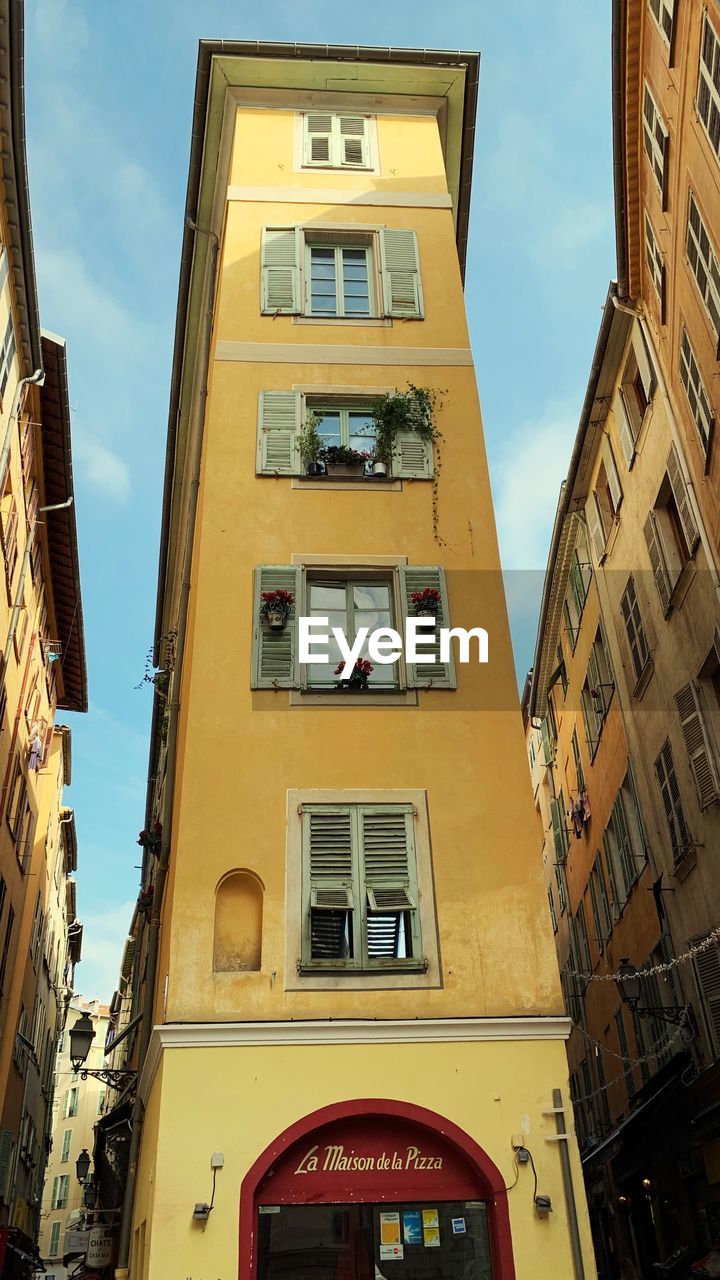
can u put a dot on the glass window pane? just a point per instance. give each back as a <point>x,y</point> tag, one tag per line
<point>329,427</point>
<point>371,595</point>
<point>324,596</point>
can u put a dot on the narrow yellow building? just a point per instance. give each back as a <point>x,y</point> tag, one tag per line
<point>351,1040</point>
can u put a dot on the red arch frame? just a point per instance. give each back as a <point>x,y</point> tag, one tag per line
<point>489,1176</point>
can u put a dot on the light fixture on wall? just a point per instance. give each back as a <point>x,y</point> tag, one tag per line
<point>82,1165</point>
<point>629,984</point>
<point>81,1038</point>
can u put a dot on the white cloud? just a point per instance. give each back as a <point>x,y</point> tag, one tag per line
<point>104,935</point>
<point>102,470</point>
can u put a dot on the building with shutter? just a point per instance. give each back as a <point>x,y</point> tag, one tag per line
<point>350,1027</point>
<point>78,1106</point>
<point>42,671</point>
<point>643,483</point>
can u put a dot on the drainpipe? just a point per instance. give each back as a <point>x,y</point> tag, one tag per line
<point>37,377</point>
<point>151,962</point>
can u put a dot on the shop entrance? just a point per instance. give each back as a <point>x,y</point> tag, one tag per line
<point>442,1241</point>
<point>374,1190</point>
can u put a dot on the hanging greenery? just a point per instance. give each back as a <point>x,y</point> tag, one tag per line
<point>413,410</point>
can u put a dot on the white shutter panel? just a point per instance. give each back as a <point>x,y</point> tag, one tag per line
<point>697,744</point>
<point>682,499</point>
<point>275,663</point>
<point>280,270</point>
<point>278,451</point>
<point>318,137</point>
<point>612,475</point>
<point>624,426</point>
<point>657,561</point>
<point>353,141</point>
<point>436,675</point>
<point>399,260</point>
<point>412,456</point>
<point>595,529</point>
<point>644,363</point>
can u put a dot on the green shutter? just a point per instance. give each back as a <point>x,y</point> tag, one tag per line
<point>437,675</point>
<point>657,561</point>
<point>6,1150</point>
<point>557,813</point>
<point>399,260</point>
<point>389,876</point>
<point>330,888</point>
<point>278,453</point>
<point>682,499</point>
<point>280,270</point>
<point>275,664</point>
<point>412,456</point>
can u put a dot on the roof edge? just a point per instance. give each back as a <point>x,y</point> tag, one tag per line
<point>15,175</point>
<point>618,134</point>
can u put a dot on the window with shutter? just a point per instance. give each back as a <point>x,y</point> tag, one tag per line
<point>561,835</point>
<point>412,456</point>
<point>700,750</point>
<point>360,897</point>
<point>436,675</point>
<point>663,13</point>
<point>318,137</point>
<point>7,1143</point>
<point>655,136</point>
<point>657,561</point>
<point>7,354</point>
<point>708,91</point>
<point>334,141</point>
<point>275,664</point>
<point>707,977</point>
<point>704,264</point>
<point>278,452</point>
<point>655,263</point>
<point>351,601</point>
<point>339,278</point>
<point>682,500</point>
<point>632,618</point>
<point>400,265</point>
<point>551,904</point>
<point>596,528</point>
<point>697,396</point>
<point>280,258</point>
<point>561,881</point>
<point>599,903</point>
<point>679,832</point>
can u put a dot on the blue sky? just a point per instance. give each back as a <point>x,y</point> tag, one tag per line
<point>109,95</point>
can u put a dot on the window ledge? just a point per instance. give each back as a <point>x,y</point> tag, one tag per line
<point>644,679</point>
<point>337,698</point>
<point>384,484</point>
<point>611,538</point>
<point>682,585</point>
<point>684,865</point>
<point>361,322</point>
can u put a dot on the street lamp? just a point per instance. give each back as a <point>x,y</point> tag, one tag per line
<point>82,1166</point>
<point>81,1038</point>
<point>628,982</point>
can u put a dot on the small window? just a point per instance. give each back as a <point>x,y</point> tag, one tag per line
<point>561,832</point>
<point>636,391</point>
<point>699,742</point>
<point>663,13</point>
<point>624,844</point>
<point>600,905</point>
<point>604,503</point>
<point>655,262</point>
<point>339,280</point>
<point>67,1140</point>
<point>632,618</point>
<point>708,93</point>
<point>681,841</point>
<point>579,771</point>
<point>7,354</point>
<point>671,532</point>
<point>61,1186</point>
<point>697,396</point>
<point>9,531</point>
<point>597,692</point>
<point>704,264</point>
<point>351,603</point>
<point>656,141</point>
<point>332,141</point>
<point>349,425</point>
<point>54,1239</point>
<point>360,895</point>
<point>551,904</point>
<point>561,881</point>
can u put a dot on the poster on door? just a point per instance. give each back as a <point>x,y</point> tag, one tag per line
<point>431,1228</point>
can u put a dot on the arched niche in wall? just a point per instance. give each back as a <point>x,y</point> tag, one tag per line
<point>237,941</point>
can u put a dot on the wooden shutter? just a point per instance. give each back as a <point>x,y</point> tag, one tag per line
<point>389,877</point>
<point>329,892</point>
<point>707,973</point>
<point>646,369</point>
<point>697,743</point>
<point>9,532</point>
<point>612,475</point>
<point>680,840</point>
<point>399,260</point>
<point>412,456</point>
<point>353,141</point>
<point>682,499</point>
<point>547,744</point>
<point>275,663</point>
<point>437,675</point>
<point>657,561</point>
<point>318,137</point>
<point>280,270</point>
<point>558,821</point>
<point>595,528</point>
<point>6,1150</point>
<point>665,168</point>
<point>624,426</point>
<point>278,452</point>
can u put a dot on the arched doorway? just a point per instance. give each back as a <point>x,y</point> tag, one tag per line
<point>361,1184</point>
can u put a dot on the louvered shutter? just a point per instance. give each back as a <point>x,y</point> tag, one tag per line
<point>353,141</point>
<point>597,703</point>
<point>330,890</point>
<point>412,456</point>
<point>595,528</point>
<point>624,426</point>
<point>645,365</point>
<point>682,499</point>
<point>558,820</point>
<point>280,270</point>
<point>697,743</point>
<point>617,901</point>
<point>6,1150</point>
<point>546,741</point>
<point>318,137</point>
<point>275,663</point>
<point>665,168</point>
<point>278,452</point>
<point>707,972</point>
<point>657,561</point>
<point>680,840</point>
<point>612,475</point>
<point>437,675</point>
<point>387,850</point>
<point>399,260</point>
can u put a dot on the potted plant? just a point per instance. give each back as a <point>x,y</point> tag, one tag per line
<point>359,676</point>
<point>311,445</point>
<point>379,467</point>
<point>426,603</point>
<point>341,461</point>
<point>151,840</point>
<point>411,410</point>
<point>275,608</point>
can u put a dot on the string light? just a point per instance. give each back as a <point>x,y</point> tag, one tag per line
<point>666,966</point>
<point>632,1062</point>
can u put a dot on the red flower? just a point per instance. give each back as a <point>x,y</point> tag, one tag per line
<point>430,596</point>
<point>362,667</point>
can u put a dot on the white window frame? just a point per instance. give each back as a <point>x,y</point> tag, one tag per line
<point>350,576</point>
<point>707,103</point>
<point>661,9</point>
<point>708,264</point>
<point>694,388</point>
<point>654,259</point>
<point>7,354</point>
<point>317,404</point>
<point>654,151</point>
<point>336,162</point>
<point>362,243</point>
<point>378,979</point>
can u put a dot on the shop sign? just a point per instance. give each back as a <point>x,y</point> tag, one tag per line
<point>99,1250</point>
<point>336,1157</point>
<point>76,1241</point>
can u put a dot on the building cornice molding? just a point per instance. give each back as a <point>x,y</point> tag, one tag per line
<point>345,1031</point>
<point>334,196</point>
<point>303,353</point>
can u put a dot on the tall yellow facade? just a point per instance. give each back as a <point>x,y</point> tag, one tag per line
<point>342,928</point>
